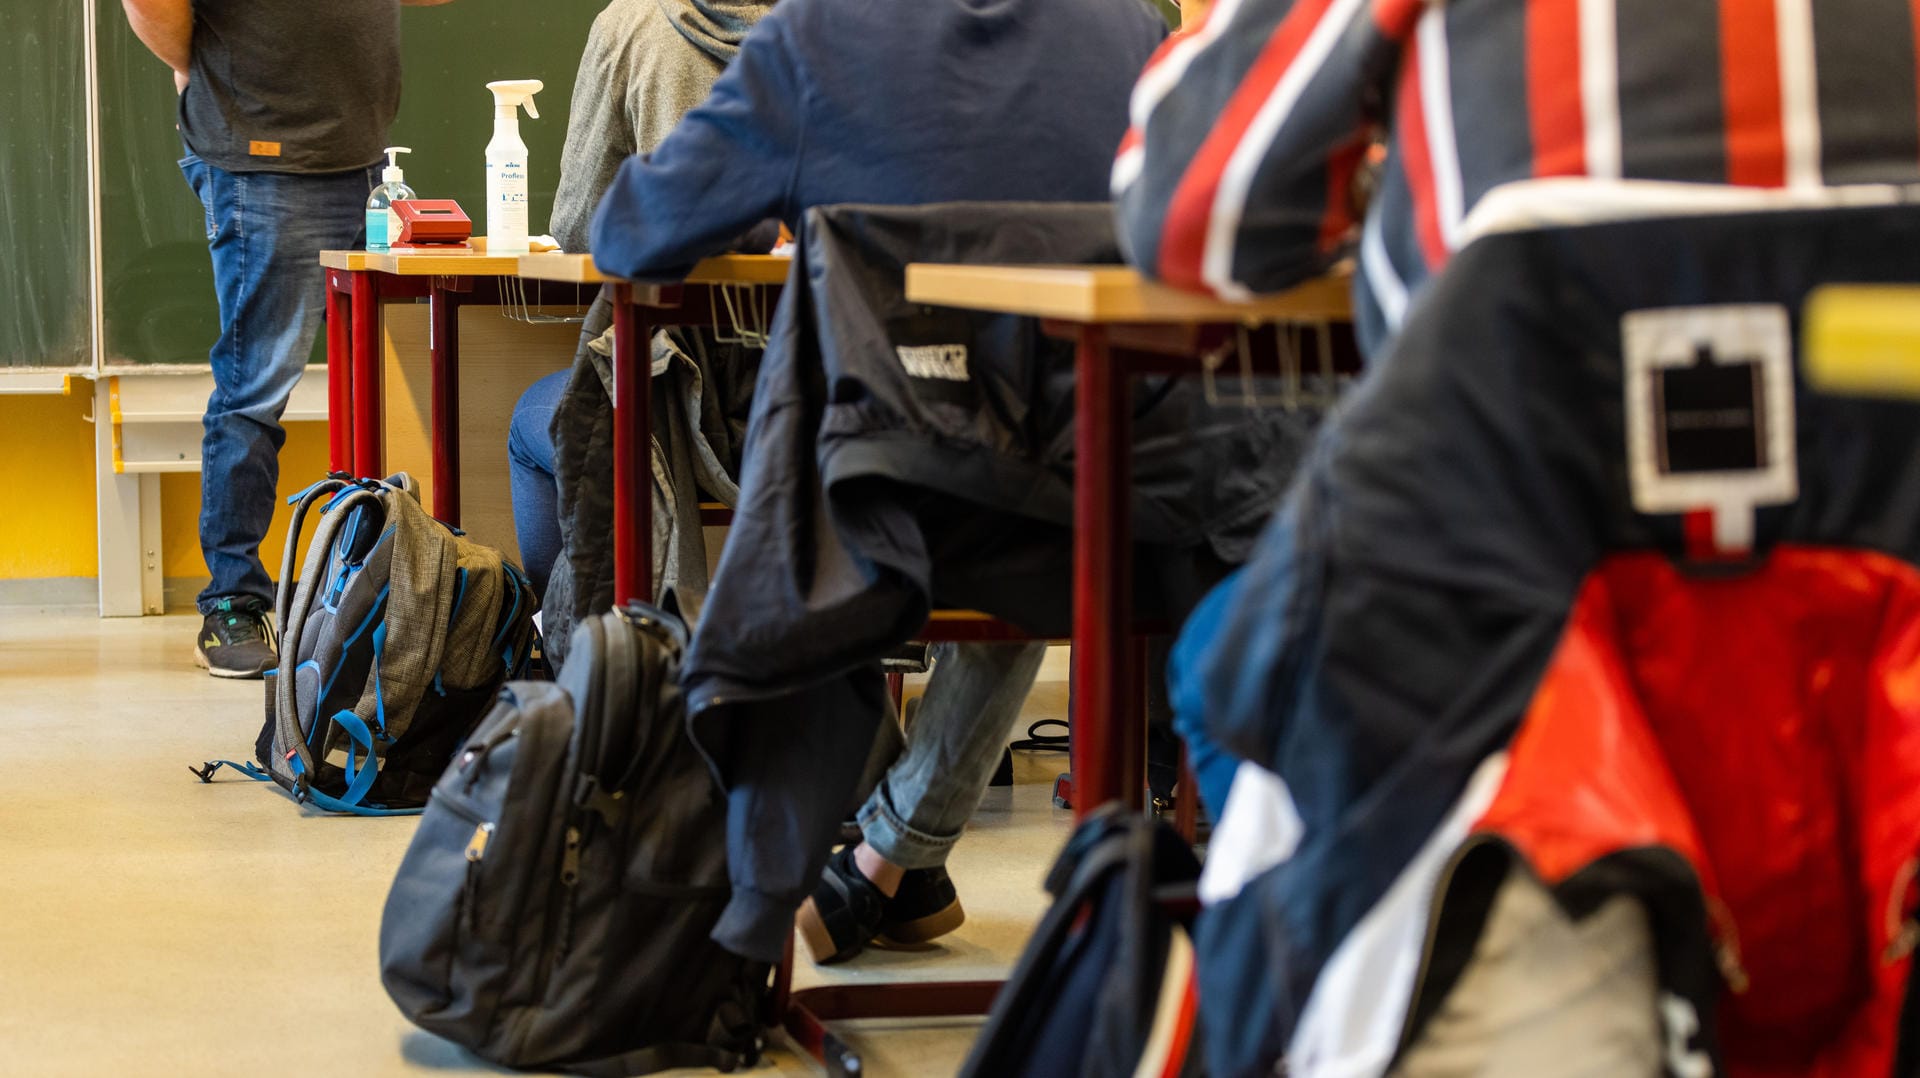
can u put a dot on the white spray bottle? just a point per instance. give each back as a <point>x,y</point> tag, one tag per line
<point>507,166</point>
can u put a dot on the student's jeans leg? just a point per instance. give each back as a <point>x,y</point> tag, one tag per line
<point>917,812</point>
<point>265,232</point>
<point>530,469</point>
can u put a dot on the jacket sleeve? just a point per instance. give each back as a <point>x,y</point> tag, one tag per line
<point>599,137</point>
<point>1235,176</point>
<point>727,166</point>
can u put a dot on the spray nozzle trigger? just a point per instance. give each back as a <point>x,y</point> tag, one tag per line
<point>508,93</point>
<point>391,174</point>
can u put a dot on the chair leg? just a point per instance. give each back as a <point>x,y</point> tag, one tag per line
<point>809,1011</point>
<point>1186,811</point>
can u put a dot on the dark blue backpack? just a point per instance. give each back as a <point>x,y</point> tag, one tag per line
<point>1106,987</point>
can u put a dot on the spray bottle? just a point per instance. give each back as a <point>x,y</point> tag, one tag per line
<point>383,224</point>
<point>507,166</point>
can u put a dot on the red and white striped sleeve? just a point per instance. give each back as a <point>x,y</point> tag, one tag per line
<point>1246,130</point>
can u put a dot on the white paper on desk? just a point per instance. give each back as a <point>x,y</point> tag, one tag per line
<point>543,245</point>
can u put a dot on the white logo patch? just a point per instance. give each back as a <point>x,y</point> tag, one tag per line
<point>947,362</point>
<point>1710,420</point>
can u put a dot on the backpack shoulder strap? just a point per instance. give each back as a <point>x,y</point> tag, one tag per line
<point>285,705</point>
<point>303,501</point>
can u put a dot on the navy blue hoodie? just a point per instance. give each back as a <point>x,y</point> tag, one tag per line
<point>883,101</point>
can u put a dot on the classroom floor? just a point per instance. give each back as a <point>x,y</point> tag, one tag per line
<point>150,924</point>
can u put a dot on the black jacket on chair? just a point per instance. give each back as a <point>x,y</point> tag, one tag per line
<point>901,457</point>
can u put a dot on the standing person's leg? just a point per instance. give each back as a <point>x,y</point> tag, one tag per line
<point>894,883</point>
<point>265,232</point>
<point>536,492</point>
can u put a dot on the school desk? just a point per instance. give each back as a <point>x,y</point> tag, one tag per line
<point>356,393</point>
<point>1123,325</point>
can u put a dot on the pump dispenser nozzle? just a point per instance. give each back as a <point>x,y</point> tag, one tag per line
<point>392,174</point>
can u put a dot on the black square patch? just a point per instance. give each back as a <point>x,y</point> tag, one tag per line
<point>1710,416</point>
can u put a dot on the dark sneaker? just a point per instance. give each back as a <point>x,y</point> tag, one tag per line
<point>925,908</point>
<point>843,913</point>
<point>236,640</point>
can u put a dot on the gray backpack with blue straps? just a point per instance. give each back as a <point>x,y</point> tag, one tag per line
<point>394,639</point>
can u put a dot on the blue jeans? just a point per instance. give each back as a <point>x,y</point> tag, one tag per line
<point>265,231</point>
<point>921,805</point>
<point>530,468</point>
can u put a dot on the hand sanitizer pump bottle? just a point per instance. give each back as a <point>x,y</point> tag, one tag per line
<point>383,225</point>
<point>507,166</point>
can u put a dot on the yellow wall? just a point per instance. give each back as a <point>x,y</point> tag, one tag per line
<point>46,469</point>
<point>46,450</point>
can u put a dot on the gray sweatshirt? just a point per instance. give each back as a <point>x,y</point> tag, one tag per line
<point>646,63</point>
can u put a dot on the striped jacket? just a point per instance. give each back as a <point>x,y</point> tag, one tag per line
<point>1237,173</point>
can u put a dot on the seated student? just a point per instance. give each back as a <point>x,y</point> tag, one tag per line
<point>832,102</point>
<point>646,63</point>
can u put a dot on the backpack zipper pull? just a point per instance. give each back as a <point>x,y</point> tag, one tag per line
<point>570,860</point>
<point>477,845</point>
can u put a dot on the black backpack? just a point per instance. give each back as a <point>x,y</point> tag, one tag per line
<point>1106,987</point>
<point>394,639</point>
<point>554,908</point>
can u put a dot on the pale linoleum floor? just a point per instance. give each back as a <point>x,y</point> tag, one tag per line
<point>153,925</point>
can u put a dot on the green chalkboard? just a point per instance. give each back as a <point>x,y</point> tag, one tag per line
<point>160,305</point>
<point>43,186</point>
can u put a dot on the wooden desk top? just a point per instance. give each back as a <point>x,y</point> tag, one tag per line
<point>454,262</point>
<point>1113,294</point>
<point>724,269</point>
<point>353,261</point>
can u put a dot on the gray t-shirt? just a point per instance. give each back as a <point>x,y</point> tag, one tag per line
<point>286,86</point>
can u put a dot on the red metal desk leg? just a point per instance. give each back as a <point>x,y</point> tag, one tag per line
<point>1130,752</point>
<point>443,347</point>
<point>1106,765</point>
<point>369,413</point>
<point>339,378</point>
<point>632,473</point>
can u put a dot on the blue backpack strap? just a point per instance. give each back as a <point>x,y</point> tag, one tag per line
<point>252,771</point>
<point>301,502</point>
<point>379,696</point>
<point>333,804</point>
<point>359,776</point>
<point>342,496</point>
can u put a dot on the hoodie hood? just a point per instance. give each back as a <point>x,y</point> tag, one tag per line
<point>715,27</point>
